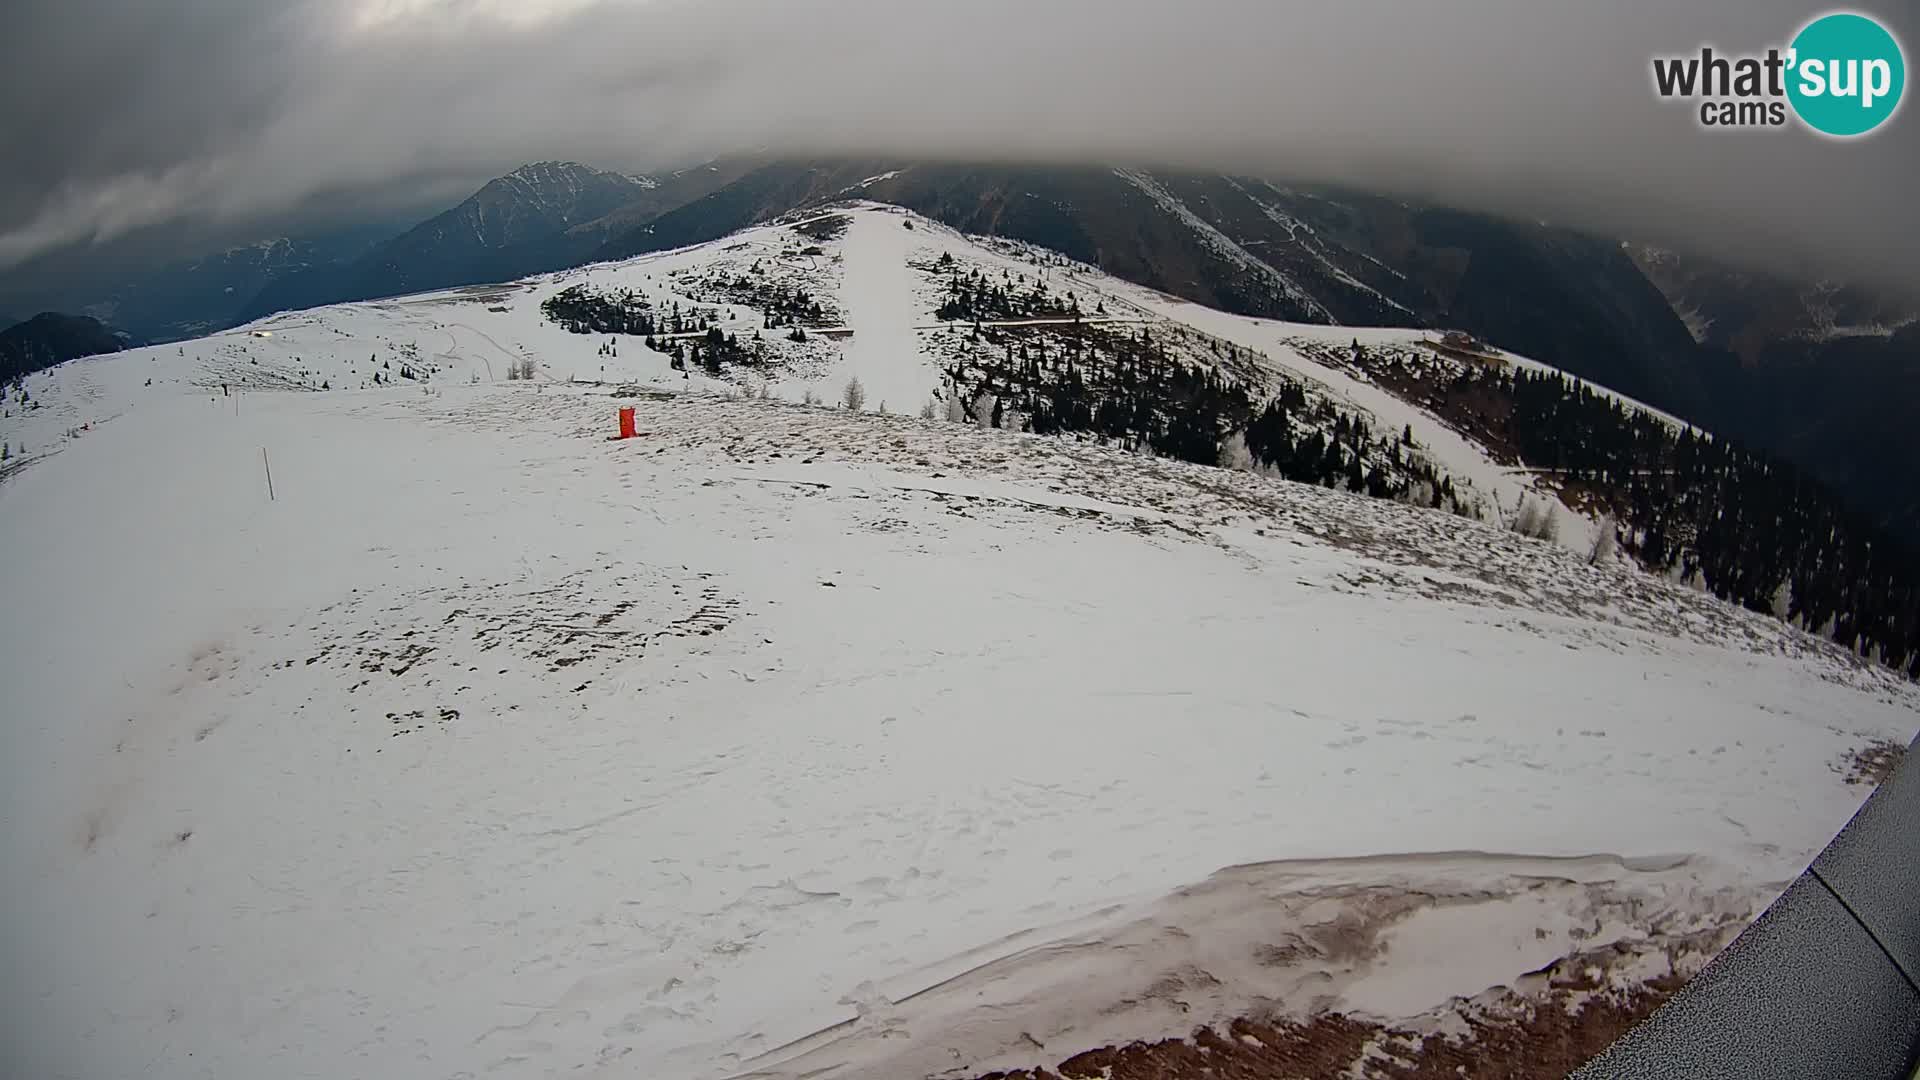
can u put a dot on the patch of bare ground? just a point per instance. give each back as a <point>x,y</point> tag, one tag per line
<point>1513,1038</point>
<point>826,227</point>
<point>1873,763</point>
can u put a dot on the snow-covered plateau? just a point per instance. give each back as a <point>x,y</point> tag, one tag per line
<point>784,738</point>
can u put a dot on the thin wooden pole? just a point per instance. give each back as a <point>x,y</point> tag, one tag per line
<point>269,468</point>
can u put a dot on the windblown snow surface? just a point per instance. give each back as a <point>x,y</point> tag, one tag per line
<point>782,739</point>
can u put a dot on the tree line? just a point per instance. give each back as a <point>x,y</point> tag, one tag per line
<point>974,297</point>
<point>1128,389</point>
<point>582,310</point>
<point>1750,528</point>
<point>781,306</point>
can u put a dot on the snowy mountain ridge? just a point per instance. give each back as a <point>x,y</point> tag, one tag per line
<point>479,331</point>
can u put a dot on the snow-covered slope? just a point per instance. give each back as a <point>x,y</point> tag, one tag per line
<point>485,746</point>
<point>880,273</point>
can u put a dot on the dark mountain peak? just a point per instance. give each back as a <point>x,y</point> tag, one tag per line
<point>550,173</point>
<point>529,206</point>
<point>535,169</point>
<point>51,338</point>
<point>54,321</point>
<point>543,216</point>
<point>547,194</point>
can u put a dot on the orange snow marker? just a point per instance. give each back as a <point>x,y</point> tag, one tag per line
<point>626,424</point>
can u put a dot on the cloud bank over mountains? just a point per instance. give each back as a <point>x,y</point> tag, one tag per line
<point>123,115</point>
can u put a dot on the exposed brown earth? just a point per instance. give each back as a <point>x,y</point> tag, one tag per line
<point>1873,763</point>
<point>1511,1039</point>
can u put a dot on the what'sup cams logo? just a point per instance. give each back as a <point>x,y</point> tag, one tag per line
<point>1843,75</point>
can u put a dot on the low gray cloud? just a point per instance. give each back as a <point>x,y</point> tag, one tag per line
<point>125,114</point>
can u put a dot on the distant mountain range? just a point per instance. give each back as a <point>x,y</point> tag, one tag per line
<point>170,299</point>
<point>545,216</point>
<point>206,294</point>
<point>52,338</point>
<point>1821,373</point>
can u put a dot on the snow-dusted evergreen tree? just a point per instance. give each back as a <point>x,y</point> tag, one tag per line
<point>1536,519</point>
<point>1234,453</point>
<point>1604,542</point>
<point>1526,518</point>
<point>983,406</point>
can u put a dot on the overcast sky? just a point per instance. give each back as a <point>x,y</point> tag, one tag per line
<point>119,115</point>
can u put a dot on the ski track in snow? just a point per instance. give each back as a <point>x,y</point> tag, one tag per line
<point>884,352</point>
<point>493,748</point>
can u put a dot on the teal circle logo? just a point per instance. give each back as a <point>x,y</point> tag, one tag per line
<point>1847,74</point>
